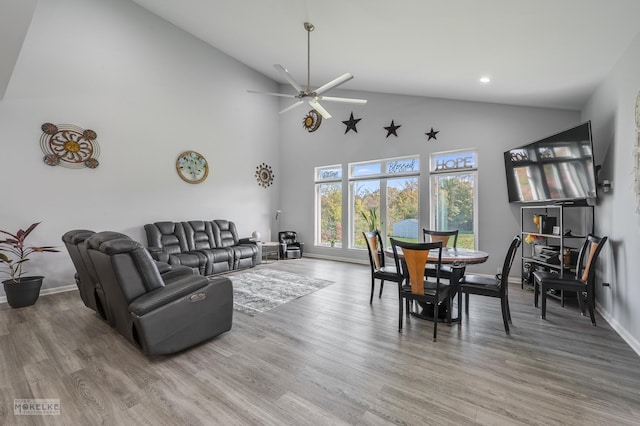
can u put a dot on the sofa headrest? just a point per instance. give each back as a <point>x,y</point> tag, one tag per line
<point>223,224</point>
<point>288,236</point>
<point>76,236</point>
<point>167,227</point>
<point>97,239</point>
<point>119,245</point>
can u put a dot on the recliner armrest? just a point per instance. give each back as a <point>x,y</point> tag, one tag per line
<point>164,295</point>
<point>158,254</point>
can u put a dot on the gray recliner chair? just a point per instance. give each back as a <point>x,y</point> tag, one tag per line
<point>73,240</point>
<point>158,314</point>
<point>290,247</point>
<point>88,284</point>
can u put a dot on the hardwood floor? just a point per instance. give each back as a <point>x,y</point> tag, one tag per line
<point>326,358</point>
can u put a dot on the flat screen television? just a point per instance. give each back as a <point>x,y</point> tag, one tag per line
<point>559,168</point>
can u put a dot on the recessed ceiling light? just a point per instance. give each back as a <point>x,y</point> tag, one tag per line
<point>485,79</point>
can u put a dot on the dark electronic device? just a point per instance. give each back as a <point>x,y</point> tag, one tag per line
<point>548,255</point>
<point>559,168</point>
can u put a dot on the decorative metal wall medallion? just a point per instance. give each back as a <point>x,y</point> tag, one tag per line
<point>312,121</point>
<point>192,167</point>
<point>264,175</point>
<point>69,146</point>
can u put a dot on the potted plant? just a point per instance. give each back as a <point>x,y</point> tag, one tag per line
<point>20,290</point>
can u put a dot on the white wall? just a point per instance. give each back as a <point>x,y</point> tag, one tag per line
<point>489,128</point>
<point>611,111</point>
<point>150,91</point>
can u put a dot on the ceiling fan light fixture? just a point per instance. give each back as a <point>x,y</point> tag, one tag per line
<point>306,94</point>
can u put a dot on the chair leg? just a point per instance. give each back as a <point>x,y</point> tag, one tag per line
<point>373,284</point>
<point>590,306</point>
<point>536,289</point>
<point>400,311</point>
<point>435,321</point>
<point>381,288</point>
<point>459,307</point>
<point>466,303</point>
<point>449,306</point>
<point>580,301</point>
<point>505,313</point>
<point>543,294</point>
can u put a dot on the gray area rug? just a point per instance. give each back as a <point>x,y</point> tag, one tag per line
<point>264,289</point>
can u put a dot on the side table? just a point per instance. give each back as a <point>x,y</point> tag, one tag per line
<point>270,248</point>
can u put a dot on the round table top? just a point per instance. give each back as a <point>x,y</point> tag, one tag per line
<point>451,255</point>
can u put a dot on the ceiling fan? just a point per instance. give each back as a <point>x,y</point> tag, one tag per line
<point>312,97</point>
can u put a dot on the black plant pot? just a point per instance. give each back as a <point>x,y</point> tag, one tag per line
<point>23,293</point>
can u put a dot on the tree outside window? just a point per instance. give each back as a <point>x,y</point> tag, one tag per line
<point>329,206</point>
<point>454,195</point>
<point>385,196</point>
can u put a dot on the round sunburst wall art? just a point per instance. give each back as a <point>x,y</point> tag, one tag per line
<point>312,121</point>
<point>69,146</point>
<point>264,175</point>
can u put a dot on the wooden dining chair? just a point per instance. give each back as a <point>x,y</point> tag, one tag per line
<point>582,282</point>
<point>377,261</point>
<point>497,286</point>
<point>419,288</point>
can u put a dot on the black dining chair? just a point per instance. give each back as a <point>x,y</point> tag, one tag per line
<point>377,261</point>
<point>431,236</point>
<point>497,286</point>
<point>419,288</point>
<point>582,282</point>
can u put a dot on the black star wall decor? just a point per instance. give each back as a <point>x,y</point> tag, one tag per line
<point>432,134</point>
<point>392,129</point>
<point>351,124</point>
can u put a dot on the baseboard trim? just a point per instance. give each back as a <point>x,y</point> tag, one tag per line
<point>45,291</point>
<point>622,332</point>
<point>337,259</point>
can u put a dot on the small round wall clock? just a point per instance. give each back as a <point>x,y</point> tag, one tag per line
<point>192,167</point>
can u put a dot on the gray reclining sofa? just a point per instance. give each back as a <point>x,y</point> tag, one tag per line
<point>208,247</point>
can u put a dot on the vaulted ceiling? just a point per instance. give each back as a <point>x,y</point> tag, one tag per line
<point>546,53</point>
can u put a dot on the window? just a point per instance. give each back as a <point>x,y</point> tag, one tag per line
<point>328,206</point>
<point>384,195</point>
<point>453,178</point>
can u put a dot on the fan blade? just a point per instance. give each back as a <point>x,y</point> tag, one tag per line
<point>271,94</point>
<point>334,83</point>
<point>290,79</point>
<point>346,100</point>
<point>290,107</point>
<point>323,112</point>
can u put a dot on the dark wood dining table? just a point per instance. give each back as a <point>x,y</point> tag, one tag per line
<point>458,258</point>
